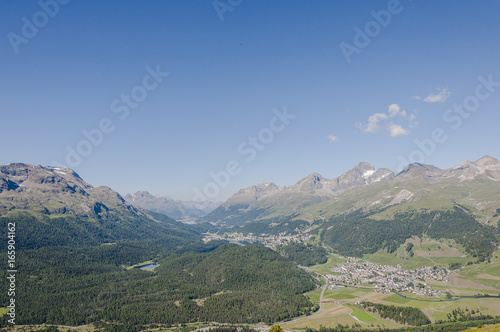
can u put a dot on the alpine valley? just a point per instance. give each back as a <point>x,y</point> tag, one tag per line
<point>319,253</point>
<point>366,209</point>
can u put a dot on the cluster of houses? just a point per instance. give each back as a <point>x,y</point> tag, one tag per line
<point>268,240</point>
<point>386,278</point>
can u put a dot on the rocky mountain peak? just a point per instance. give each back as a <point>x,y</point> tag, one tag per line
<point>360,175</point>
<point>421,169</point>
<point>364,166</point>
<point>313,181</point>
<point>25,177</point>
<point>255,192</point>
<point>487,161</point>
<point>57,190</point>
<point>486,167</point>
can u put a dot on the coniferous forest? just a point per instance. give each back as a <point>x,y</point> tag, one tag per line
<point>356,234</point>
<point>75,285</point>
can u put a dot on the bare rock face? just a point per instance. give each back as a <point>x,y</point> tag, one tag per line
<point>56,190</point>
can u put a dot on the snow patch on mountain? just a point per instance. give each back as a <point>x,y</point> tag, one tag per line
<point>367,174</point>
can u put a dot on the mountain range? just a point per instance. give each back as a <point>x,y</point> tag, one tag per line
<point>79,243</point>
<point>55,206</point>
<point>177,209</point>
<point>474,185</point>
<point>55,193</point>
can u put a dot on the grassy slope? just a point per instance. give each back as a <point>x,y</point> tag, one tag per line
<point>482,197</point>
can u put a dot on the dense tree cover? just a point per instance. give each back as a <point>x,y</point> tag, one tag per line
<point>355,234</point>
<point>304,254</point>
<point>43,231</point>
<point>73,286</point>
<point>403,315</point>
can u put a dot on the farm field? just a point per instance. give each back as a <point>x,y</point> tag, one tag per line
<point>339,306</point>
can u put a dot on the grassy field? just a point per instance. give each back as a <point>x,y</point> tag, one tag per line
<point>396,299</point>
<point>341,296</point>
<point>325,268</point>
<point>314,295</point>
<point>426,253</point>
<point>490,328</point>
<point>330,315</point>
<point>364,316</point>
<point>439,310</point>
<point>361,314</point>
<point>3,311</point>
<point>488,273</point>
<point>334,313</point>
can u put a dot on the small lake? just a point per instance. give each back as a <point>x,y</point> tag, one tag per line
<point>149,266</point>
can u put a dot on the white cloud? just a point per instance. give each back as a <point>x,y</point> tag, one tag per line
<point>441,96</point>
<point>372,126</point>
<point>395,110</point>
<point>332,138</point>
<point>377,120</point>
<point>396,130</point>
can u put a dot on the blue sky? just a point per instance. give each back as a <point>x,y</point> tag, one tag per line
<point>375,81</point>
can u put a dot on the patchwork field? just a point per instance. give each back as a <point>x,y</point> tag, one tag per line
<point>339,306</point>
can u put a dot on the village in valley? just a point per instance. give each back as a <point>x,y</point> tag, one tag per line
<point>268,240</point>
<point>356,272</point>
<point>386,278</point>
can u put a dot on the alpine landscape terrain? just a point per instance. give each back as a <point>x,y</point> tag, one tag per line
<point>249,166</point>
<point>356,246</point>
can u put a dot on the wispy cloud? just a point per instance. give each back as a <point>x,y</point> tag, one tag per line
<point>441,96</point>
<point>379,120</point>
<point>333,139</point>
